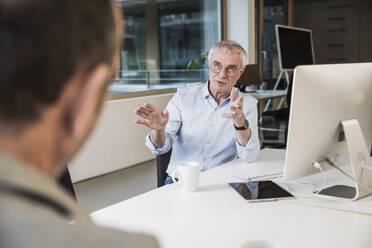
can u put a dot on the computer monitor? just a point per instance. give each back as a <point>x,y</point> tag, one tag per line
<point>295,47</point>
<point>322,97</point>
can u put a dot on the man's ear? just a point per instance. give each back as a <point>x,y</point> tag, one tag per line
<point>242,70</point>
<point>86,100</point>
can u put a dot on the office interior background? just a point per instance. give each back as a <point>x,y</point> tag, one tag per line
<point>163,36</point>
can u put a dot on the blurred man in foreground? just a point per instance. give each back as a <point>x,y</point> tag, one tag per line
<point>57,58</point>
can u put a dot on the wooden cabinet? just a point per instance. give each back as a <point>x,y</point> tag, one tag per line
<point>341,28</point>
<point>366,31</point>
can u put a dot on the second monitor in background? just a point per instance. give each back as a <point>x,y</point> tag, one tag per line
<point>295,47</point>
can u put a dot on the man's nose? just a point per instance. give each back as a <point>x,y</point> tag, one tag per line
<point>222,73</point>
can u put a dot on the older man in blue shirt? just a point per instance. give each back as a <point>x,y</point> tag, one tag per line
<point>210,123</point>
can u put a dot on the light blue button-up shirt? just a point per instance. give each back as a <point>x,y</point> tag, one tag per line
<point>196,131</point>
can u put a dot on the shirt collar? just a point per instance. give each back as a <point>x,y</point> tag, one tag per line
<point>206,90</point>
<point>207,94</point>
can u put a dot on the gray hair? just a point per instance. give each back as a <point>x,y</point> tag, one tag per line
<point>229,45</point>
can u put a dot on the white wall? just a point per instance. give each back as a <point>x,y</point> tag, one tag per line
<point>116,142</point>
<point>241,25</point>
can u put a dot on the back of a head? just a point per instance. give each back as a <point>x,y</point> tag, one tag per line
<point>43,43</point>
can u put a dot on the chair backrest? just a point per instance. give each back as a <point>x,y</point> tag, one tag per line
<point>162,162</point>
<point>251,75</point>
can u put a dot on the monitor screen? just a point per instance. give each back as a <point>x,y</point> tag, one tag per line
<point>295,47</point>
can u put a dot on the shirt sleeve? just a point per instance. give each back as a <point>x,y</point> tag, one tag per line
<point>251,150</point>
<point>172,127</point>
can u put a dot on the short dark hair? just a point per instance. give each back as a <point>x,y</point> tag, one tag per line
<point>42,45</point>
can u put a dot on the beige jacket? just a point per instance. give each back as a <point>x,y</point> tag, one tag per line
<point>35,212</point>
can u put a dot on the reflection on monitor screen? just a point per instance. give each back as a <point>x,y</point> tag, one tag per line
<point>295,47</point>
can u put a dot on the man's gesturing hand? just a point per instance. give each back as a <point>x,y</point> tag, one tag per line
<point>152,117</point>
<point>236,107</point>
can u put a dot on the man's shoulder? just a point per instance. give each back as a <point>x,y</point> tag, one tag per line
<point>42,228</point>
<point>190,88</point>
<point>74,235</point>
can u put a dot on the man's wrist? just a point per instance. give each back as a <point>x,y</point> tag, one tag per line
<point>243,126</point>
<point>239,123</point>
<point>157,137</point>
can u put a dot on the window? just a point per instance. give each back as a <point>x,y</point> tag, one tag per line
<point>161,37</point>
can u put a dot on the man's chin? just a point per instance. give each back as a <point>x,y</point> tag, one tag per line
<point>223,88</point>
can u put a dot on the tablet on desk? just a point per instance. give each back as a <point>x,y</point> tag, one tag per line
<point>267,191</point>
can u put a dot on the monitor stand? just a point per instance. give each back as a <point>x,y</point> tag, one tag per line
<point>361,166</point>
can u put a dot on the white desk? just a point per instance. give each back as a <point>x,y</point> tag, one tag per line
<point>217,216</point>
<point>263,95</point>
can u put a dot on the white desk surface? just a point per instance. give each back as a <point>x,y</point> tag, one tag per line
<point>267,93</point>
<point>217,216</point>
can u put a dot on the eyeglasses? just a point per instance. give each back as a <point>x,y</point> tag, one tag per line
<point>230,70</point>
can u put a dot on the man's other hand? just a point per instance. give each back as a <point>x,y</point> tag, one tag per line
<point>152,117</point>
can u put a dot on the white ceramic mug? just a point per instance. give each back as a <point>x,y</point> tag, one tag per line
<point>188,175</point>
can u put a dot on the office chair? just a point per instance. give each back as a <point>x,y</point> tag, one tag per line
<point>251,76</point>
<point>162,162</point>
<point>279,116</point>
